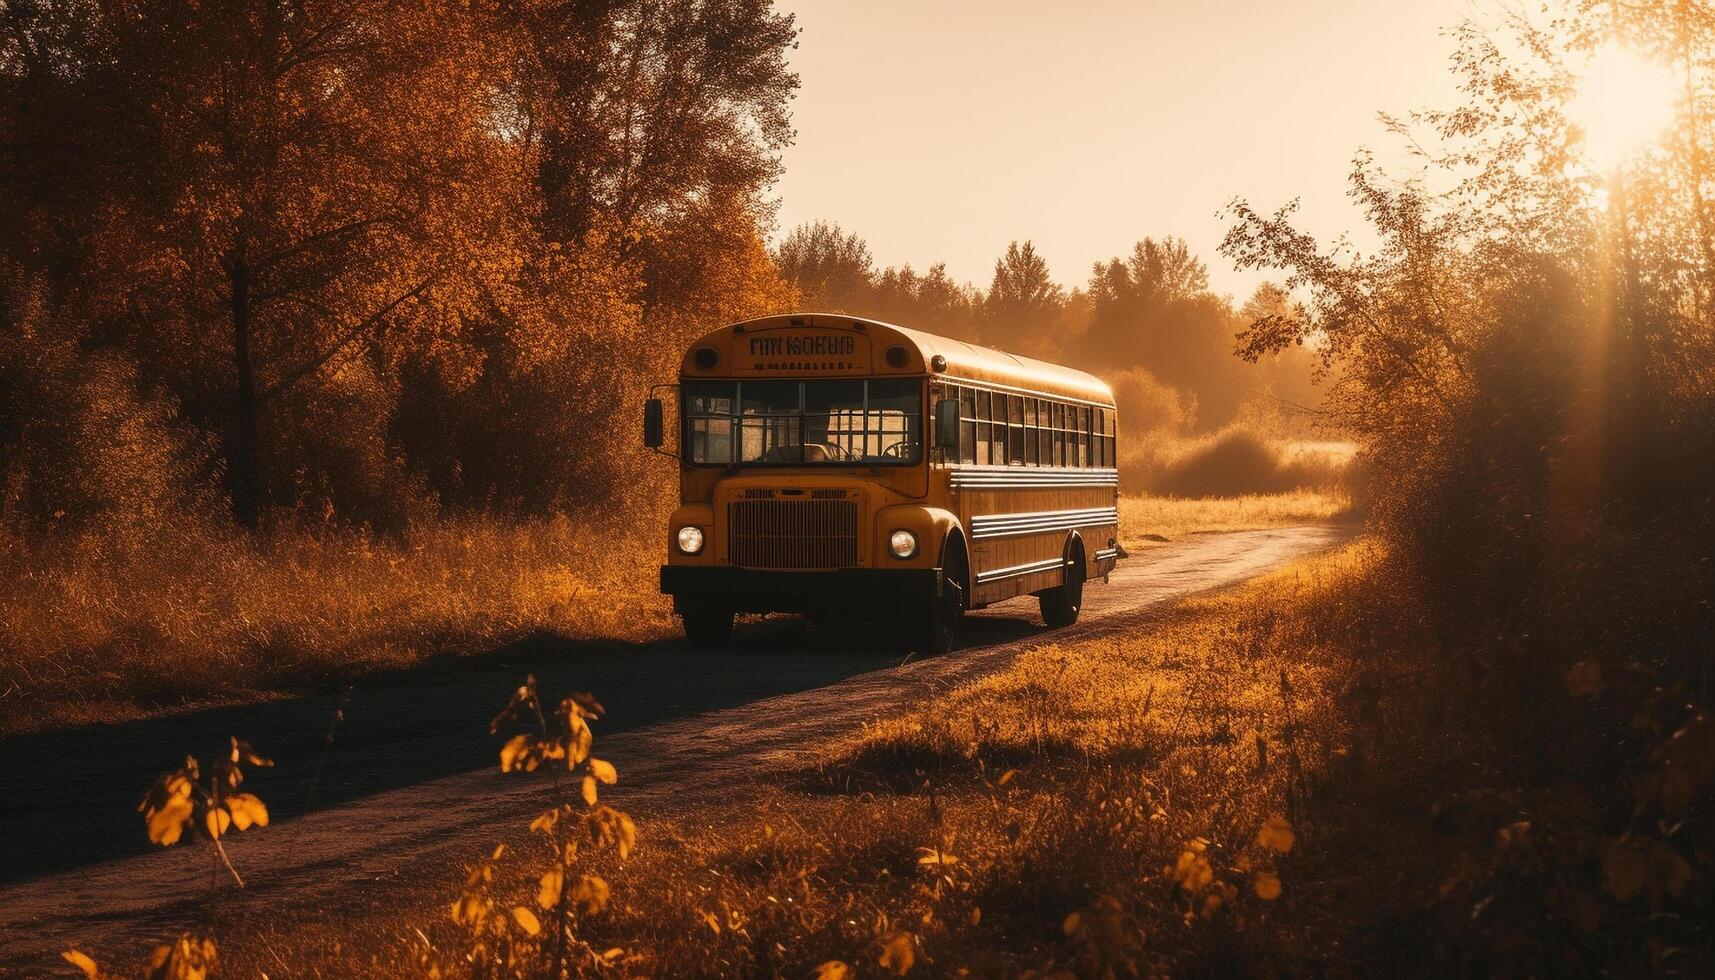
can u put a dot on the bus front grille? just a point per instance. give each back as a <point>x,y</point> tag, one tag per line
<point>792,533</point>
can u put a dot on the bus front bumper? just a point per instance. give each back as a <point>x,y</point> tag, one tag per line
<point>750,590</point>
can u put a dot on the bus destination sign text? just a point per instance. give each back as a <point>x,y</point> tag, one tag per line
<point>802,352</point>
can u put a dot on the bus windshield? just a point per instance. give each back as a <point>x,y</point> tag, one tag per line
<point>834,422</point>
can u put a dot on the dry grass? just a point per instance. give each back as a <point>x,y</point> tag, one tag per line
<point>108,627</point>
<point>102,628</point>
<point>1146,521</point>
<point>1097,806</point>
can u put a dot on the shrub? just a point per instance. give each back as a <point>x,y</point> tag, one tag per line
<point>1233,462</point>
<point>1146,405</point>
<point>81,443</point>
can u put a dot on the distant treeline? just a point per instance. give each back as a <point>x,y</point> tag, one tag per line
<point>1147,321</point>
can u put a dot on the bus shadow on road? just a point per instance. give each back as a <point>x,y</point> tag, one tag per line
<point>796,635</point>
<point>74,793</point>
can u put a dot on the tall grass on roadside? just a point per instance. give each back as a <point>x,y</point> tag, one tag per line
<point>1151,520</point>
<point>100,626</point>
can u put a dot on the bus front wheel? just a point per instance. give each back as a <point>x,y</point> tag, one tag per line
<point>1060,605</point>
<point>707,627</point>
<point>935,622</point>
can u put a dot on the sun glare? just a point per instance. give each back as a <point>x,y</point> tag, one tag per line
<point>1624,101</point>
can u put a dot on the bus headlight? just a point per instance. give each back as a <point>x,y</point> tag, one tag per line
<point>690,539</point>
<point>903,544</point>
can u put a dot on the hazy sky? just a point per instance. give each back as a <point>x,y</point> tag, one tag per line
<point>943,130</point>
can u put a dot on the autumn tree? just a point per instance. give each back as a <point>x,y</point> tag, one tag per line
<point>1528,348</point>
<point>296,218</point>
<point>1023,302</point>
<point>930,301</point>
<point>831,269</point>
<point>1153,309</point>
<point>306,191</point>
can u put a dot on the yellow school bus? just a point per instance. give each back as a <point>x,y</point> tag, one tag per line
<point>838,466</point>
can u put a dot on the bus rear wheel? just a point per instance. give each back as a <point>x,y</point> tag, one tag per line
<point>1060,605</point>
<point>707,627</point>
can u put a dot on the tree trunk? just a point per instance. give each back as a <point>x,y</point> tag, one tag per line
<point>244,467</point>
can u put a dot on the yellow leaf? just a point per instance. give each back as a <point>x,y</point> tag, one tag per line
<point>510,753</point>
<point>627,835</point>
<point>1006,777</point>
<point>526,920</point>
<point>471,910</point>
<point>898,954</point>
<point>168,823</point>
<point>590,893</point>
<point>1276,835</point>
<point>247,811</point>
<point>834,970</point>
<point>1192,870</point>
<point>603,770</point>
<point>589,790</point>
<point>82,962</point>
<point>546,821</point>
<point>217,821</point>
<point>713,922</point>
<point>549,894</point>
<point>1267,886</point>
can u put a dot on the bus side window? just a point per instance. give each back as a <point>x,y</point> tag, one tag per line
<point>1031,442</point>
<point>985,427</point>
<point>1015,430</point>
<point>1084,435</point>
<point>1050,442</point>
<point>1059,425</point>
<point>967,425</point>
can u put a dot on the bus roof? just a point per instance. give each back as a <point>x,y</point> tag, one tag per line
<point>963,361</point>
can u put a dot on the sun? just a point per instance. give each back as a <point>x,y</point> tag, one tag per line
<point>1624,101</point>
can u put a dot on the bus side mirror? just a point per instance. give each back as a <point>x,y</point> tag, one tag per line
<point>653,430</point>
<point>947,424</point>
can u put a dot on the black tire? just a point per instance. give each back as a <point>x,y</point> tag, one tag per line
<point>707,627</point>
<point>1060,605</point>
<point>934,623</point>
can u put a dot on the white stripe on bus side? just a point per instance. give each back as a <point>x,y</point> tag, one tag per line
<point>1013,525</point>
<point>995,575</point>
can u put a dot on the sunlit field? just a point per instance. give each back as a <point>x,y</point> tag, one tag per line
<point>99,629</point>
<point>1147,521</point>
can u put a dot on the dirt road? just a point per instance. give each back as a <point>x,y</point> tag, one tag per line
<point>409,779</point>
